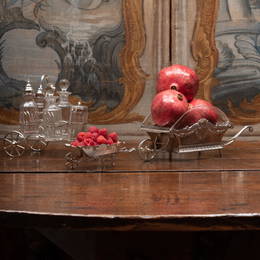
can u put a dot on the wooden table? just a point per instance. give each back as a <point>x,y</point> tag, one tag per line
<point>187,193</point>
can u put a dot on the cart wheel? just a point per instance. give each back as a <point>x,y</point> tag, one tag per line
<point>73,158</point>
<point>162,142</point>
<point>14,144</point>
<point>146,149</point>
<point>108,160</point>
<point>37,143</point>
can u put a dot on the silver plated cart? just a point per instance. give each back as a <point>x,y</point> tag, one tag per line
<point>200,136</point>
<point>42,119</point>
<point>101,154</point>
<point>16,142</point>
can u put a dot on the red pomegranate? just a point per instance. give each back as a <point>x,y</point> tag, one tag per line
<point>180,78</point>
<point>199,102</point>
<point>198,109</point>
<point>167,107</point>
<point>207,110</point>
<point>191,117</point>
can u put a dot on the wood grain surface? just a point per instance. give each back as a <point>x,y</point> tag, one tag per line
<point>187,193</point>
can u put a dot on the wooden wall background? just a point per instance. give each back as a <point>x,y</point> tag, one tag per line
<point>174,31</point>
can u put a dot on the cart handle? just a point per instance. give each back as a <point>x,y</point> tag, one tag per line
<point>232,139</point>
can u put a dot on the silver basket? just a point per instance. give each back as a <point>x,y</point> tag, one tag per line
<point>201,136</point>
<point>101,153</point>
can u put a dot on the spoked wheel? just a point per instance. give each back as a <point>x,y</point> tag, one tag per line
<point>161,142</point>
<point>73,158</point>
<point>146,149</point>
<point>14,144</point>
<point>108,160</point>
<point>37,143</point>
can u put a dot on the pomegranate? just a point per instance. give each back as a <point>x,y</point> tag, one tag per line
<point>189,118</point>
<point>198,109</point>
<point>207,110</point>
<point>167,106</point>
<point>199,102</point>
<point>180,78</point>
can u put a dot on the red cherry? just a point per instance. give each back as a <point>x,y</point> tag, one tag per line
<point>74,143</point>
<point>110,140</point>
<point>101,139</point>
<point>113,136</point>
<point>93,129</point>
<point>88,135</point>
<point>103,131</point>
<point>89,142</point>
<point>80,136</point>
<point>95,136</point>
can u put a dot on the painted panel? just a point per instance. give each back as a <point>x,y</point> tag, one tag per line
<point>96,44</point>
<point>229,65</point>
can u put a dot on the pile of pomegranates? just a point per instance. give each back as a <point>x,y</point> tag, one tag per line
<point>176,87</point>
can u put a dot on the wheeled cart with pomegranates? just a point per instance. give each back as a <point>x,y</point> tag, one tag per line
<point>198,137</point>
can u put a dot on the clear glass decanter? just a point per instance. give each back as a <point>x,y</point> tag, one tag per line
<point>65,105</point>
<point>29,113</point>
<point>78,119</point>
<point>40,100</point>
<point>40,95</point>
<point>52,115</point>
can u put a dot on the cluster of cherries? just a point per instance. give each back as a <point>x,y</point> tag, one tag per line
<point>94,137</point>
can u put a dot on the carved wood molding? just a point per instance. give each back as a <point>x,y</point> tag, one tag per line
<point>203,46</point>
<point>205,54</point>
<point>247,113</point>
<point>134,77</point>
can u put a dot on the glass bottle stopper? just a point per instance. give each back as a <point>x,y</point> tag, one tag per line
<point>40,90</point>
<point>64,84</point>
<point>50,89</point>
<point>28,87</point>
<point>44,78</point>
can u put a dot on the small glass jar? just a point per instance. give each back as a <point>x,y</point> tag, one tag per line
<point>78,119</point>
<point>64,103</point>
<point>52,116</point>
<point>29,113</point>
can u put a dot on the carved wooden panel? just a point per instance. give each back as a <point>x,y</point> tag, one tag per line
<point>226,49</point>
<point>95,44</point>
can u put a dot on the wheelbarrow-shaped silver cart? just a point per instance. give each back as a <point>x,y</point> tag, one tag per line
<point>198,137</point>
<point>16,142</point>
<point>101,154</point>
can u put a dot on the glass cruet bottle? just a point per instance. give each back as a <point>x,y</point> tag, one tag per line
<point>29,113</point>
<point>52,115</point>
<point>65,105</point>
<point>40,100</point>
<point>78,119</point>
<point>40,95</point>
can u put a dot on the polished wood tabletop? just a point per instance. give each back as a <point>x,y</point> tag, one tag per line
<point>187,193</point>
